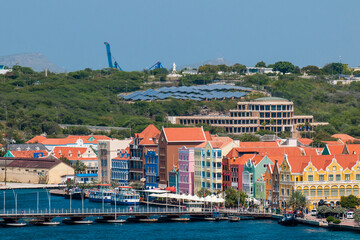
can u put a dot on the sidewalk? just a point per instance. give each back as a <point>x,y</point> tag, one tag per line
<point>10,185</point>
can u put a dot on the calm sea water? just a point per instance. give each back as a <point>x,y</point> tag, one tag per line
<point>246,229</point>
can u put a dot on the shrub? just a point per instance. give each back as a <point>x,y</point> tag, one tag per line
<point>330,219</point>
<point>336,221</point>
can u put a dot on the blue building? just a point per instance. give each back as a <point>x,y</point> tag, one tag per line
<point>151,169</point>
<point>120,168</point>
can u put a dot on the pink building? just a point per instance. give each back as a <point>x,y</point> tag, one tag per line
<point>186,170</point>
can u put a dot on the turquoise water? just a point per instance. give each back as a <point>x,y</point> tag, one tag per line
<point>246,229</point>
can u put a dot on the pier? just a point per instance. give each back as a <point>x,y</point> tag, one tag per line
<point>77,216</point>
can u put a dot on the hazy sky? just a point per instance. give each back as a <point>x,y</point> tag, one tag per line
<point>71,33</point>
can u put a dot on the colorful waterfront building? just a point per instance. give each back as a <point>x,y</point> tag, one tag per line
<point>151,169</point>
<point>186,170</point>
<point>120,168</point>
<point>143,142</point>
<point>329,178</point>
<point>208,163</point>
<point>174,178</point>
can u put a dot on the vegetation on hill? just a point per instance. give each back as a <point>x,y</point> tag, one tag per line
<point>32,103</point>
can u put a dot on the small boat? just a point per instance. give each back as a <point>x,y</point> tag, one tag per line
<point>234,219</point>
<point>45,223</point>
<point>148,220</point>
<point>73,222</point>
<point>180,219</point>
<point>14,224</point>
<point>75,193</point>
<point>102,220</point>
<point>125,196</point>
<point>288,220</point>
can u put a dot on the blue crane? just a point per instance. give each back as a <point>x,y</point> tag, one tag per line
<point>156,65</point>
<point>116,65</point>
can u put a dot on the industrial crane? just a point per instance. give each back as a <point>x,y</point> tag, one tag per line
<point>156,65</point>
<point>116,65</point>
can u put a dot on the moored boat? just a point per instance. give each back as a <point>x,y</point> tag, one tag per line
<point>288,220</point>
<point>102,194</point>
<point>125,196</point>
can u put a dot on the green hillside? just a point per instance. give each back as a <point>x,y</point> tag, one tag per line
<point>32,103</point>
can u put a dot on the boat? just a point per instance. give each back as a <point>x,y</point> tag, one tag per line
<point>14,224</point>
<point>104,220</point>
<point>125,195</point>
<point>234,219</point>
<point>42,223</point>
<point>288,219</point>
<point>102,194</point>
<point>73,222</point>
<point>75,193</point>
<point>180,219</point>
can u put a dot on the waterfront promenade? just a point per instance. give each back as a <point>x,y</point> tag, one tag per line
<point>11,185</point>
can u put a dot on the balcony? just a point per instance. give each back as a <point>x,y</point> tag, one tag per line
<point>135,158</point>
<point>343,182</point>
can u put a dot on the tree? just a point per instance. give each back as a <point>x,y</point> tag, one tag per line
<point>233,197</point>
<point>238,68</point>
<point>324,211</point>
<point>311,70</point>
<point>357,215</point>
<point>203,192</point>
<point>333,68</point>
<point>350,201</point>
<point>79,167</point>
<point>260,64</point>
<point>284,67</point>
<point>297,200</point>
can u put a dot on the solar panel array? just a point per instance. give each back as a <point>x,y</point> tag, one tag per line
<point>199,93</point>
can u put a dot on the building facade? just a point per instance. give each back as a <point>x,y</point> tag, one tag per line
<point>107,150</point>
<point>186,170</point>
<point>151,170</point>
<point>270,113</point>
<point>120,168</point>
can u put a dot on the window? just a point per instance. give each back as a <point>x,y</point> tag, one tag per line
<point>357,176</point>
<point>310,178</point>
<point>321,178</point>
<point>310,169</point>
<point>347,177</point>
<point>331,177</point>
<point>334,168</point>
<point>338,177</point>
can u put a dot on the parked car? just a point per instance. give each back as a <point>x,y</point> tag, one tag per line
<point>314,212</point>
<point>350,215</point>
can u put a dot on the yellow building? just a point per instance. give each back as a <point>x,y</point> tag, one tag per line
<point>34,170</point>
<point>322,177</point>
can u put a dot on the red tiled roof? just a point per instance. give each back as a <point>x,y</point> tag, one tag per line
<point>305,141</point>
<point>37,139</point>
<point>353,148</point>
<point>59,152</point>
<point>124,155</point>
<point>28,153</point>
<point>332,143</point>
<point>208,136</point>
<point>86,138</point>
<point>258,144</point>
<point>343,137</point>
<point>336,149</point>
<point>184,134</point>
<point>148,135</point>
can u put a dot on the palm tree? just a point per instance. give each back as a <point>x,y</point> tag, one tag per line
<point>297,200</point>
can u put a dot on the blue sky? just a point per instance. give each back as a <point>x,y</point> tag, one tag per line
<point>71,33</point>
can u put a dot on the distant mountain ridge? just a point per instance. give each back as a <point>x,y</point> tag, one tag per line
<point>36,61</point>
<point>217,61</point>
